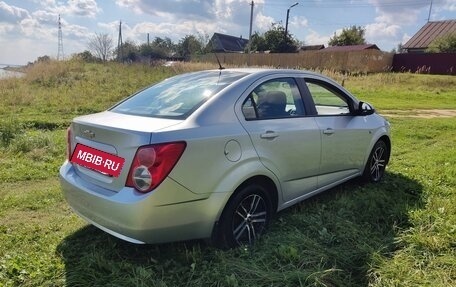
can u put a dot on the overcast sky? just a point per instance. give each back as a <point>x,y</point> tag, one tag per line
<point>28,28</point>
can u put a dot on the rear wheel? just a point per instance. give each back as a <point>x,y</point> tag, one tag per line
<point>376,164</point>
<point>246,217</point>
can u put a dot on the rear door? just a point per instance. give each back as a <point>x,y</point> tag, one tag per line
<point>287,141</point>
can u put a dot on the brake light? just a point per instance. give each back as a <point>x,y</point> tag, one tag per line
<point>68,143</point>
<point>152,164</point>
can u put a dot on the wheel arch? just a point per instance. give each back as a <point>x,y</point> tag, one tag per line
<point>265,181</point>
<point>387,141</point>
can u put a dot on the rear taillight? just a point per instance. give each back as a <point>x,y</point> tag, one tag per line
<point>69,143</point>
<point>152,164</point>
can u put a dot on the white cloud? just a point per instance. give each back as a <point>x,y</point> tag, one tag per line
<point>46,17</point>
<point>450,5</point>
<point>299,22</point>
<point>177,18</point>
<point>381,30</point>
<point>5,28</point>
<point>87,8</point>
<point>82,8</point>
<point>395,12</point>
<point>314,38</point>
<point>405,38</point>
<point>262,22</point>
<point>80,32</point>
<point>130,4</point>
<point>12,14</point>
<point>175,31</point>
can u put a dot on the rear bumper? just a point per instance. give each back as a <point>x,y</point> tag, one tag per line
<point>169,213</point>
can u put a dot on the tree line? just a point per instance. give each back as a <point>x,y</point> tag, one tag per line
<point>275,40</point>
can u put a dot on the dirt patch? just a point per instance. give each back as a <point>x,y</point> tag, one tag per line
<point>424,114</point>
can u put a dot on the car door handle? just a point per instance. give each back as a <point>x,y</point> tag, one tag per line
<point>269,135</point>
<point>328,131</point>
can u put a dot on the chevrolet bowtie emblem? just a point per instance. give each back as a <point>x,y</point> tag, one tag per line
<point>88,134</point>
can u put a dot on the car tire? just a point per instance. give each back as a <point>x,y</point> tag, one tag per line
<point>376,163</point>
<point>245,217</point>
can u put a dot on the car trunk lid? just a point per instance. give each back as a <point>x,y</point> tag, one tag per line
<point>116,134</point>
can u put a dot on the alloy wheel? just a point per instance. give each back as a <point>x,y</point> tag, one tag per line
<point>378,162</point>
<point>249,219</point>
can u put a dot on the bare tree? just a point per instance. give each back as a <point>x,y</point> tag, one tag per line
<point>101,46</point>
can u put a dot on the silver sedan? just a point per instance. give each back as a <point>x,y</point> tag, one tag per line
<point>214,154</point>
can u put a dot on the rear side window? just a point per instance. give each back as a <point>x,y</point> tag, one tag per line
<point>278,98</point>
<point>179,96</point>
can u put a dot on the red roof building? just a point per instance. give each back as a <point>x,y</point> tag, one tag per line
<point>351,48</point>
<point>428,33</point>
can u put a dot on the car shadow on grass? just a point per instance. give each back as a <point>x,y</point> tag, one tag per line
<point>331,239</point>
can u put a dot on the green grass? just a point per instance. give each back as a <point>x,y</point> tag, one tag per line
<point>401,232</point>
<point>405,91</point>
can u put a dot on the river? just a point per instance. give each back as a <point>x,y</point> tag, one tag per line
<point>8,74</point>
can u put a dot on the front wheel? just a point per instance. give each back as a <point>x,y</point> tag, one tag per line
<point>245,217</point>
<point>376,164</point>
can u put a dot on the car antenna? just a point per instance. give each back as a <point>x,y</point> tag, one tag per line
<point>218,61</point>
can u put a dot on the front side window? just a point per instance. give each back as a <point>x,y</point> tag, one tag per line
<point>179,96</point>
<point>327,101</point>
<point>279,98</point>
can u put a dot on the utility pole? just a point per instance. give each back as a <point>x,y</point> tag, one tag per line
<point>288,15</point>
<point>119,44</point>
<point>250,33</point>
<point>251,21</point>
<point>60,42</point>
<point>430,10</point>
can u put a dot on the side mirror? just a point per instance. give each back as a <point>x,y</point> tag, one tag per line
<point>365,109</point>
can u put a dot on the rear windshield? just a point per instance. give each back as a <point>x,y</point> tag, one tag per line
<point>179,96</point>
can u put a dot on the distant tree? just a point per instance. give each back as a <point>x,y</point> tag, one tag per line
<point>43,59</point>
<point>257,43</point>
<point>274,40</point>
<point>278,42</point>
<point>85,56</point>
<point>205,41</point>
<point>146,50</point>
<point>163,47</point>
<point>446,44</point>
<point>129,52</point>
<point>349,36</point>
<point>188,46</point>
<point>101,46</point>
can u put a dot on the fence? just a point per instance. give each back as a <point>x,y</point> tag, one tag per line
<point>367,61</point>
<point>440,63</point>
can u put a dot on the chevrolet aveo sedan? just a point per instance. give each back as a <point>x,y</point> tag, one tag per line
<point>214,154</point>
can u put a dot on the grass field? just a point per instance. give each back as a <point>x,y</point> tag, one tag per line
<point>401,232</point>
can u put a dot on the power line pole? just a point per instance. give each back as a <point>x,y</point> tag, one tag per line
<point>430,10</point>
<point>119,44</point>
<point>250,32</point>
<point>288,15</point>
<point>60,55</point>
